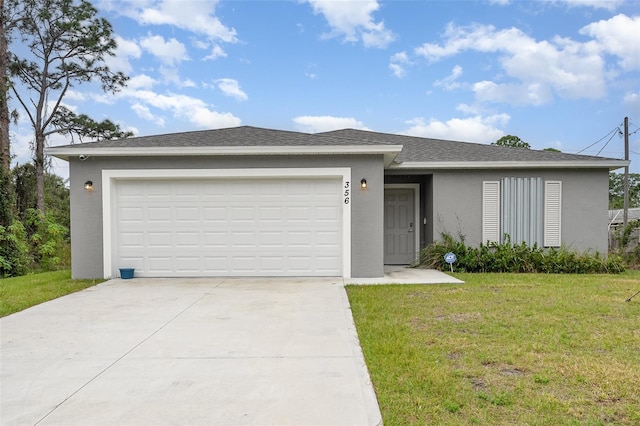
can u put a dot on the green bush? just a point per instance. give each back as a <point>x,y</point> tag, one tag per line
<point>47,239</point>
<point>508,257</point>
<point>14,250</point>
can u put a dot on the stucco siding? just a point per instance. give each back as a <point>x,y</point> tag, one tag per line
<point>366,205</point>
<point>457,204</point>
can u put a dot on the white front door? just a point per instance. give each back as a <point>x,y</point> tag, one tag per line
<point>399,226</point>
<point>228,227</point>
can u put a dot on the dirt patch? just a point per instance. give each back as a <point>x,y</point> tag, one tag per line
<point>478,384</point>
<point>511,371</point>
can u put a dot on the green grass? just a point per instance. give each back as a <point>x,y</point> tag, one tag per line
<point>20,293</point>
<point>508,349</point>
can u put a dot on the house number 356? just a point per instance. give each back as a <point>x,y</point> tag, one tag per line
<point>347,192</point>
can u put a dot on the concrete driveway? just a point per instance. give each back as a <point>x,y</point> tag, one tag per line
<point>187,352</point>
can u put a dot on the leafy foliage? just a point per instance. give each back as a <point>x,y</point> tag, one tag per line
<point>29,240</point>
<point>616,190</point>
<point>512,141</point>
<point>14,250</point>
<point>13,246</point>
<point>508,257</point>
<point>47,240</point>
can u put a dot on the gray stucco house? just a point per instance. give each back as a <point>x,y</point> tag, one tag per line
<point>248,201</point>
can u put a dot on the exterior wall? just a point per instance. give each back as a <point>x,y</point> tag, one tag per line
<point>457,204</point>
<point>366,206</point>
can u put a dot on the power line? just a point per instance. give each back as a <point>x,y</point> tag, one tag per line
<point>607,143</point>
<point>612,132</point>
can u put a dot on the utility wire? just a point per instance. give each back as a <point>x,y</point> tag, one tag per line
<point>612,132</point>
<point>607,143</point>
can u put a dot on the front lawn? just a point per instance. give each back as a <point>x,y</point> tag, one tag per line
<point>504,349</point>
<point>18,293</point>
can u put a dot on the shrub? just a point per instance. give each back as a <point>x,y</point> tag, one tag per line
<point>14,250</point>
<point>47,239</point>
<point>508,257</point>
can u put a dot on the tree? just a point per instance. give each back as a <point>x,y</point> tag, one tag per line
<point>513,141</point>
<point>68,45</point>
<point>616,190</point>
<point>8,22</point>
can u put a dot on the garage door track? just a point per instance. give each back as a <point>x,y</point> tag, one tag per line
<point>188,351</point>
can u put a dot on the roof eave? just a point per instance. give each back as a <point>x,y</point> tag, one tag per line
<point>472,165</point>
<point>390,152</point>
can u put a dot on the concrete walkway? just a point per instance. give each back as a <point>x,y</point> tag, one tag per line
<point>201,351</point>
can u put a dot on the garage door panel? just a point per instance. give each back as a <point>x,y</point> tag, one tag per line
<point>158,214</point>
<point>215,214</point>
<point>187,239</point>
<point>188,264</point>
<point>160,264</point>
<point>224,227</point>
<point>215,240</point>
<point>159,240</point>
<point>131,214</point>
<point>242,214</point>
<point>187,214</point>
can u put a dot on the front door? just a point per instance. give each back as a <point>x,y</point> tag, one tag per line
<point>399,226</point>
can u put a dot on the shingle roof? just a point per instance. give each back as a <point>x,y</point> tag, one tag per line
<point>418,149</point>
<point>232,137</point>
<point>415,149</point>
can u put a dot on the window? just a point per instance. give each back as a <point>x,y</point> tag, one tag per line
<point>526,209</point>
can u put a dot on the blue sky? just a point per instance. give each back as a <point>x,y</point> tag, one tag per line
<point>559,74</point>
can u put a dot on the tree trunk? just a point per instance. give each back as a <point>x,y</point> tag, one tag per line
<point>39,160</point>
<point>5,151</point>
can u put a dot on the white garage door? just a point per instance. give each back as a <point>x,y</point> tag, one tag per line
<point>228,227</point>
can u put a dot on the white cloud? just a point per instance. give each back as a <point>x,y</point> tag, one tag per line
<point>353,20</point>
<point>190,15</point>
<point>632,103</point>
<point>231,88</point>
<point>476,129</point>
<point>517,94</point>
<point>170,52</point>
<point>216,52</point>
<point>538,68</point>
<point>326,123</point>
<point>141,81</point>
<point>125,50</point>
<point>74,95</point>
<point>619,37</point>
<point>145,113</point>
<point>596,4</point>
<point>397,64</point>
<point>187,108</point>
<point>450,82</point>
<point>397,70</point>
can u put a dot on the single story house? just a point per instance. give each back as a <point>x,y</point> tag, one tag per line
<point>249,201</point>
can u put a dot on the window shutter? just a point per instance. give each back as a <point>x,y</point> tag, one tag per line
<point>552,213</point>
<point>490,211</point>
<point>521,214</point>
